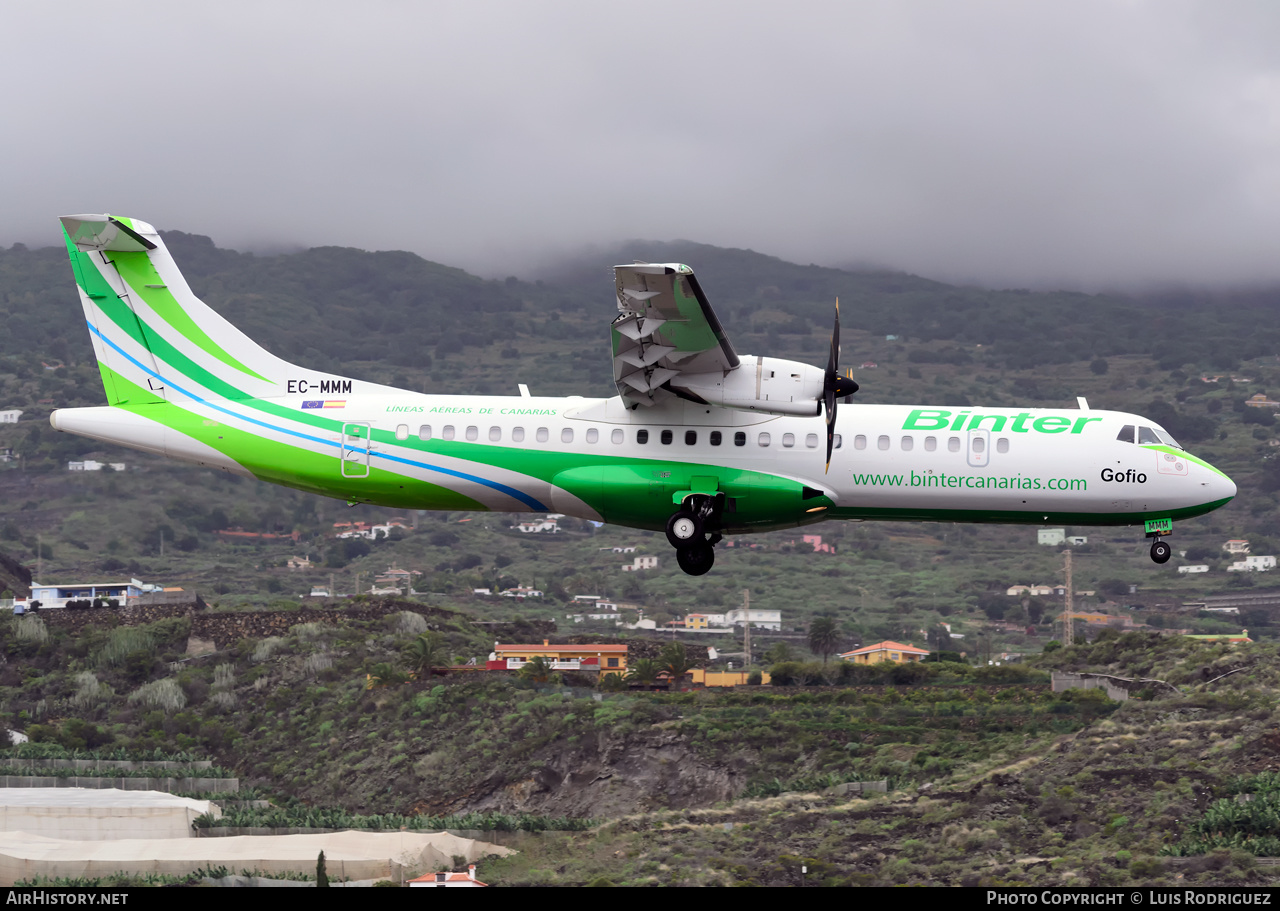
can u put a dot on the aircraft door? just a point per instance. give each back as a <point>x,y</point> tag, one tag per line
<point>979,448</point>
<point>354,452</point>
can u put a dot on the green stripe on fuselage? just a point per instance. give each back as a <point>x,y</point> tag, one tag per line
<point>294,466</point>
<point>1019,517</point>
<point>1186,455</point>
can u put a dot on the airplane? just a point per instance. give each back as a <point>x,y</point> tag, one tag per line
<point>700,442</point>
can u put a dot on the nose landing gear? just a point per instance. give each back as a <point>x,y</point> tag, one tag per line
<point>1156,531</point>
<point>687,531</point>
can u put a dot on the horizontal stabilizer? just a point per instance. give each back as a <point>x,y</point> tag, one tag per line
<point>102,232</point>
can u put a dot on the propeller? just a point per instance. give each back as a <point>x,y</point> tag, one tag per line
<point>835,386</point>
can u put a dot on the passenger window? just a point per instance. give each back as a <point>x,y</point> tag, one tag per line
<point>953,444</point>
<point>930,444</point>
<point>764,439</point>
<point>517,434</point>
<point>473,432</point>
<point>811,441</point>
<point>667,438</point>
<point>740,439</point>
<point>838,441</point>
<point>616,436</point>
<point>715,438</point>
<point>642,437</point>
<point>690,437</point>
<point>543,434</point>
<point>908,443</point>
<point>593,435</point>
<point>1002,444</point>
<point>860,441</point>
<point>447,432</point>
<point>495,434</point>
<point>979,445</point>
<point>882,442</point>
<point>788,440</point>
<point>566,435</point>
<point>402,432</point>
<point>1126,434</point>
<point>424,432</point>
<point>1146,436</point>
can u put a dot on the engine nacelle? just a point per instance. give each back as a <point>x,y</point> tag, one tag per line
<point>768,384</point>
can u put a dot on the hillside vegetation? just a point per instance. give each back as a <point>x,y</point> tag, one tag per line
<point>992,777</point>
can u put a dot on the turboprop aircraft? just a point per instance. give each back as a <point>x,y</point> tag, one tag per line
<point>699,442</point>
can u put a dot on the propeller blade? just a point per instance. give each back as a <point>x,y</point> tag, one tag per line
<point>835,386</point>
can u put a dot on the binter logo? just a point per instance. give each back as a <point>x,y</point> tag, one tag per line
<point>942,419</point>
<point>1124,477</point>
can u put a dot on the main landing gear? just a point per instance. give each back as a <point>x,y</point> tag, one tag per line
<point>1157,529</point>
<point>687,531</point>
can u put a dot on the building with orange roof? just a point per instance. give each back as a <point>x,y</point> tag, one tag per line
<point>1240,638</point>
<point>607,659</point>
<point>885,651</point>
<point>444,880</point>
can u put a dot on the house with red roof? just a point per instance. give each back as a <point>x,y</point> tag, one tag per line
<point>885,651</point>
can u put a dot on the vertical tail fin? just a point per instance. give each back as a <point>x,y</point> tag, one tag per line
<point>154,339</point>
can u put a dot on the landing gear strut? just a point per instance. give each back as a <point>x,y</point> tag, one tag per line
<point>687,531</point>
<point>1156,530</point>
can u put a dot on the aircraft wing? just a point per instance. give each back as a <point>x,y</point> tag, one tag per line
<point>665,329</point>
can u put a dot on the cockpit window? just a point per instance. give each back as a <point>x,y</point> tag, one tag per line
<point>1126,434</point>
<point>1147,436</point>
<point>1165,438</point>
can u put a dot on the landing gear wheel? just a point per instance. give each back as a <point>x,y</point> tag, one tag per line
<point>696,559</point>
<point>684,529</point>
<point>1161,552</point>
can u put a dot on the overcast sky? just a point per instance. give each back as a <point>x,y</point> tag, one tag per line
<point>1078,144</point>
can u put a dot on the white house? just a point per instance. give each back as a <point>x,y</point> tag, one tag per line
<point>1034,591</point>
<point>644,561</point>
<point>1256,563</point>
<point>58,595</point>
<point>10,417</point>
<point>606,616</point>
<point>521,593</point>
<point>91,465</point>
<point>1077,540</point>
<point>1192,570</point>
<point>548,526</point>
<point>1051,536</point>
<point>1236,546</point>
<point>761,619</point>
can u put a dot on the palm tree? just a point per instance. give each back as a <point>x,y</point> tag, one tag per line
<point>824,637</point>
<point>675,662</point>
<point>644,671</point>
<point>537,669</point>
<point>423,652</point>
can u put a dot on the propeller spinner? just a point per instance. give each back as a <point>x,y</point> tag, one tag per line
<point>835,386</point>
